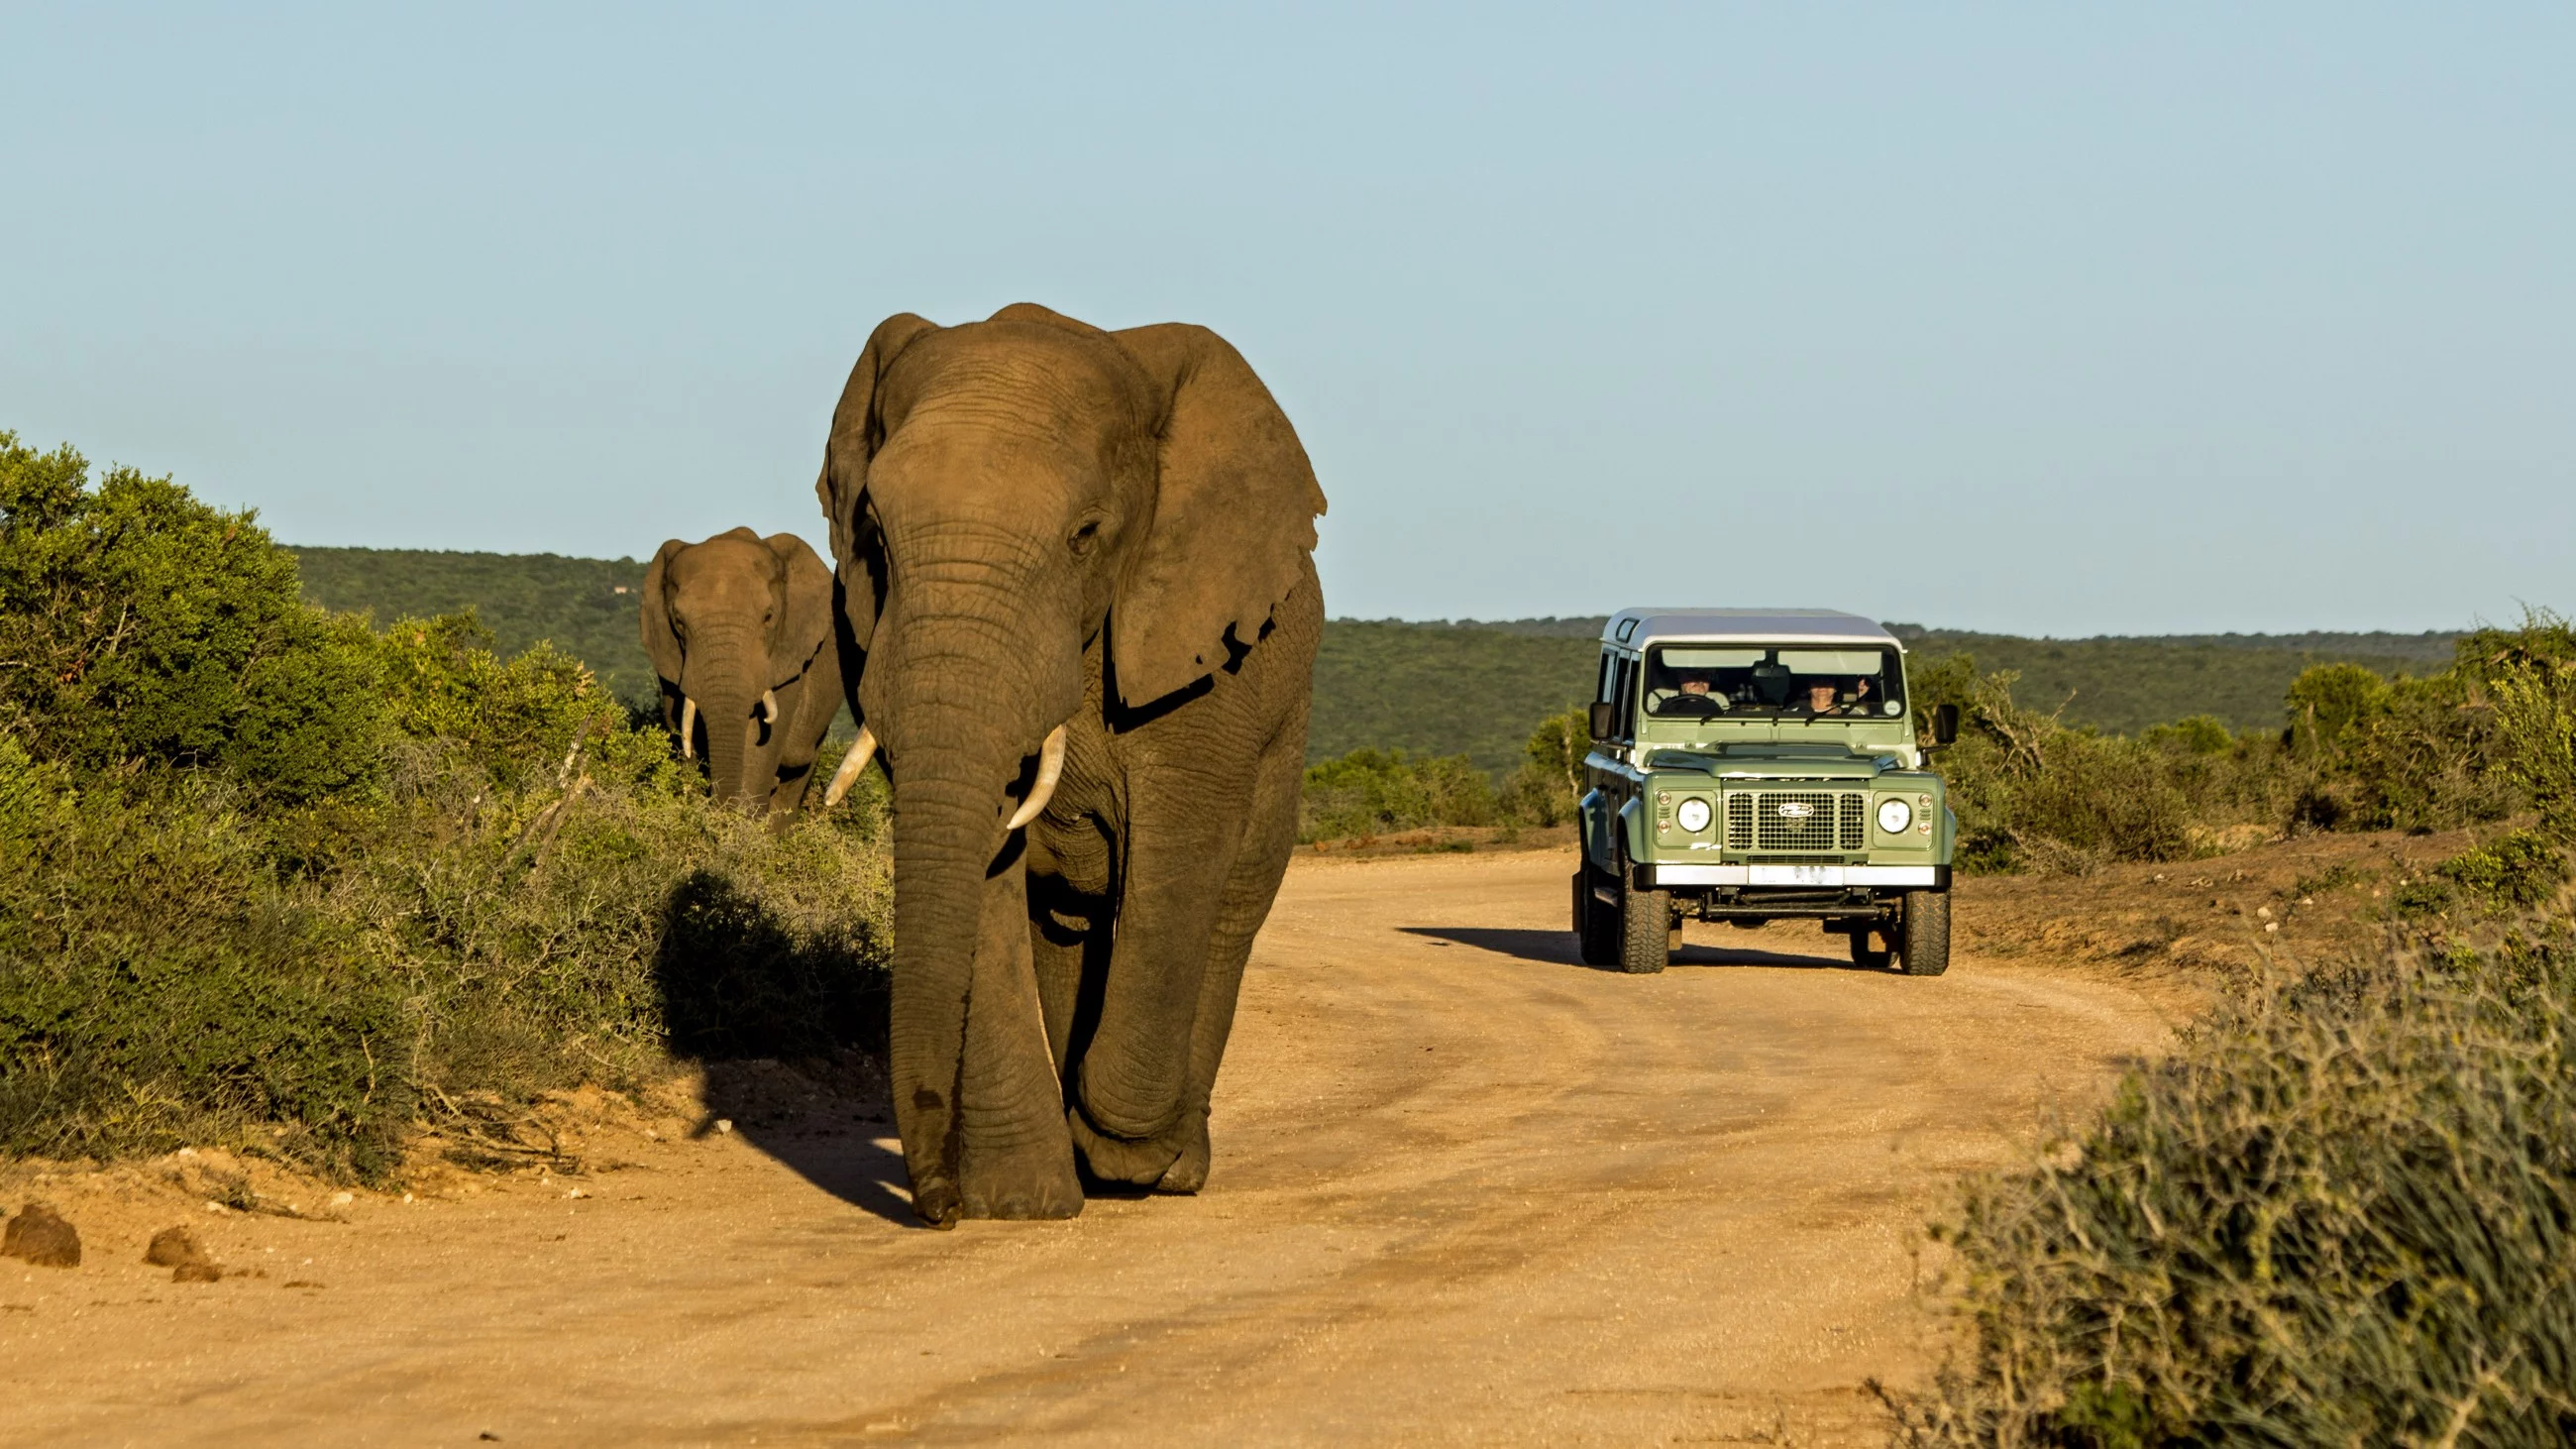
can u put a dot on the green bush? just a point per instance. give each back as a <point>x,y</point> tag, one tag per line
<point>159,981</point>
<point>1543,791</point>
<point>140,628</point>
<point>2535,709</point>
<point>2516,871</point>
<point>2478,742</point>
<point>2342,1212</point>
<point>2328,703</point>
<point>2032,793</point>
<point>2201,734</point>
<point>271,879</point>
<point>1369,792</point>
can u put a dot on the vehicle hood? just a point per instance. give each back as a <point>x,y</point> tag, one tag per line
<point>1774,762</point>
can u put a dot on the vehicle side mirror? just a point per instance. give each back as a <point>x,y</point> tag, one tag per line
<point>1945,724</point>
<point>1605,718</point>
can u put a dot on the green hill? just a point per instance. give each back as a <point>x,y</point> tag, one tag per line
<point>587,606</point>
<point>2122,685</point>
<point>1471,687</point>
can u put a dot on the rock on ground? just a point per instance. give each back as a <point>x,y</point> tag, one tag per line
<point>43,1237</point>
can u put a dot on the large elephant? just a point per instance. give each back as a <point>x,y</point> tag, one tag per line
<point>1077,572</point>
<point>740,630</point>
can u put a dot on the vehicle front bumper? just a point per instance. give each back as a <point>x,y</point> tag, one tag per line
<point>1796,877</point>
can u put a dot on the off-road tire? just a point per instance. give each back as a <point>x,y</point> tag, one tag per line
<point>1647,931</point>
<point>1864,954</point>
<point>1923,940</point>
<point>1596,925</point>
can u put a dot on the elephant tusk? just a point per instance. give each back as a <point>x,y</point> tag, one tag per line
<point>688,728</point>
<point>1050,768</point>
<point>769,706</point>
<point>862,750</point>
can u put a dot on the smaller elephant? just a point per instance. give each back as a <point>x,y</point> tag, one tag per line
<point>740,629</point>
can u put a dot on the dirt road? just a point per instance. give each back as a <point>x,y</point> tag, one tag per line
<point>1465,1191</point>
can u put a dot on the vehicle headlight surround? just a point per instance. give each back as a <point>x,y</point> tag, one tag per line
<point>1693,815</point>
<point>1894,816</point>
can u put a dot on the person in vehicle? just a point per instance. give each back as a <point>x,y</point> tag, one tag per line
<point>1692,692</point>
<point>1824,698</point>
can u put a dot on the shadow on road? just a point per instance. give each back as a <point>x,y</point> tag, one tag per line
<point>1557,948</point>
<point>817,1123</point>
<point>790,1028</point>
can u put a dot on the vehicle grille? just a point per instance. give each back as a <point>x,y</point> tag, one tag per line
<point>1835,821</point>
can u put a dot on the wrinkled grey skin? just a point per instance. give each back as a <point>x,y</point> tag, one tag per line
<point>1036,523</point>
<point>727,619</point>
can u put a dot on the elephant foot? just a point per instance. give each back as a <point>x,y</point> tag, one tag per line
<point>935,1202</point>
<point>1021,1184</point>
<point>1141,1162</point>
<point>1189,1172</point>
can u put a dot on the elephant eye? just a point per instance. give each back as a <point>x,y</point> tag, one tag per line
<point>1085,536</point>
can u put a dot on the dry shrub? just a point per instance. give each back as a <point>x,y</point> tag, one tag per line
<point>2033,793</point>
<point>2342,1212</point>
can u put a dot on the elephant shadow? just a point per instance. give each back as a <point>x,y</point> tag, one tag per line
<point>788,1028</point>
<point>1557,948</point>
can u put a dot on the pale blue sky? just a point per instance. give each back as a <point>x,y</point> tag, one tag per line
<point>2042,319</point>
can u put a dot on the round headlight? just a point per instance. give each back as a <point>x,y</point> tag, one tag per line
<point>1693,815</point>
<point>1894,816</point>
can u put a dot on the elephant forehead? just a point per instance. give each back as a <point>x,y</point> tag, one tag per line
<point>725,567</point>
<point>957,456</point>
<point>1065,382</point>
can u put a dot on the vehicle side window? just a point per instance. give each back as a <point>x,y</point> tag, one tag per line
<point>1624,695</point>
<point>1605,690</point>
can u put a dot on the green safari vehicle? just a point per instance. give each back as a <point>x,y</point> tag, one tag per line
<point>1753,765</point>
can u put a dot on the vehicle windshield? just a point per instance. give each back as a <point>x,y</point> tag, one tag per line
<point>1773,681</point>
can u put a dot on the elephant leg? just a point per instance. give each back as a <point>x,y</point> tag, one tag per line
<point>799,702</point>
<point>1070,915</point>
<point>789,793</point>
<point>1014,1158</point>
<point>1133,1075</point>
<point>1270,837</point>
<point>1068,933</point>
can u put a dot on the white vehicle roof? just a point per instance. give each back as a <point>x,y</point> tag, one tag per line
<point>1635,628</point>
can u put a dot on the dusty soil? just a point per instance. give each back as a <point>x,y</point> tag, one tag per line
<point>1466,1190</point>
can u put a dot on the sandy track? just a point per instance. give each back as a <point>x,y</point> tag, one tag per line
<point>1465,1190</point>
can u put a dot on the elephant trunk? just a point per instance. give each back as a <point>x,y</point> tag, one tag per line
<point>961,707</point>
<point>726,688</point>
<point>947,830</point>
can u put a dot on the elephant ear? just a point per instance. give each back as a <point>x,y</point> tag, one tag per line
<point>857,431</point>
<point>1234,517</point>
<point>808,625</point>
<point>659,641</point>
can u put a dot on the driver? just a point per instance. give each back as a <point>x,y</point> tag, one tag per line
<point>1699,693</point>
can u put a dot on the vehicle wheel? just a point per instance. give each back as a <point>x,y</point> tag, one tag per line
<point>1647,930</point>
<point>1923,940</point>
<point>1596,924</point>
<point>1869,948</point>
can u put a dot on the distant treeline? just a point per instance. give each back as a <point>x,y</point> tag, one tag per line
<point>1473,688</point>
<point>586,606</point>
